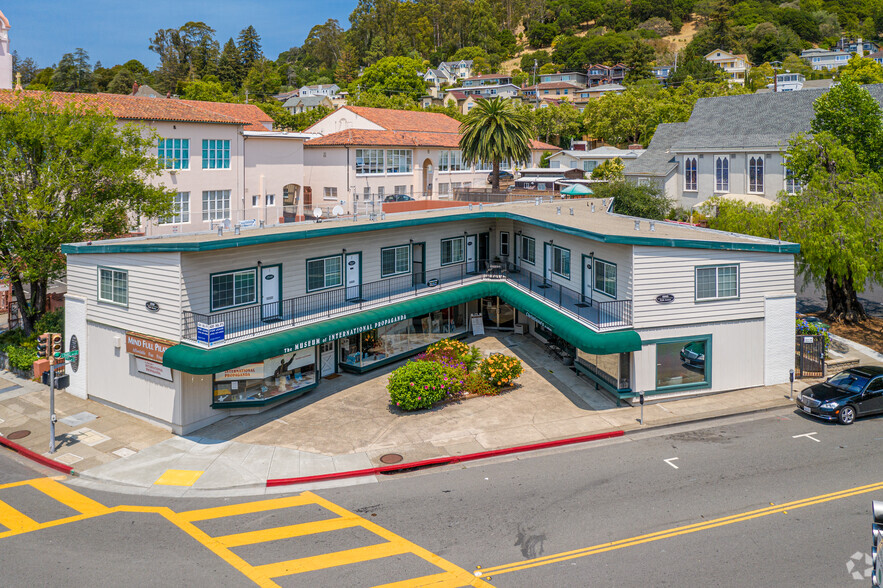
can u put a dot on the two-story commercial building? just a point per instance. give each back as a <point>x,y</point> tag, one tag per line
<point>361,155</point>
<point>223,161</point>
<point>186,330</point>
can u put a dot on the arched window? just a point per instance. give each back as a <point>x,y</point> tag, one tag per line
<point>722,174</point>
<point>755,174</point>
<point>690,178</point>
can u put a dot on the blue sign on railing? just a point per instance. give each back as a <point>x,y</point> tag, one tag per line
<point>209,333</point>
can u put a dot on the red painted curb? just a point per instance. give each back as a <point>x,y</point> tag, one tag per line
<point>442,460</point>
<point>42,460</point>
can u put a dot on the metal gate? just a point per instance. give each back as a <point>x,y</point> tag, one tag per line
<point>810,358</point>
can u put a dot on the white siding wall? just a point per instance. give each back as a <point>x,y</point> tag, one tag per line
<point>198,267</point>
<point>779,338</point>
<point>618,254</point>
<point>737,354</point>
<point>153,277</point>
<point>114,378</point>
<point>666,270</point>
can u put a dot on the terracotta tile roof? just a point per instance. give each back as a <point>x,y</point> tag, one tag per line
<point>360,137</point>
<point>407,120</point>
<point>130,107</point>
<point>249,113</point>
<point>457,94</point>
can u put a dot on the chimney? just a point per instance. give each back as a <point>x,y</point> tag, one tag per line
<point>860,48</point>
<point>135,88</point>
<point>636,146</point>
<point>169,94</point>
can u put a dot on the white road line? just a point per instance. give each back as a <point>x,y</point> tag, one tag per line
<point>807,435</point>
<point>669,460</point>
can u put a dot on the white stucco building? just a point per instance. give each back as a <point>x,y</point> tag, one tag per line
<point>5,54</point>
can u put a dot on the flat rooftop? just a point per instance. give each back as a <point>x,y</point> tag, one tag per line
<point>584,217</point>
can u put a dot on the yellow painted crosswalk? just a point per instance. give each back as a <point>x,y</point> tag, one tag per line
<point>265,574</point>
<point>18,522</point>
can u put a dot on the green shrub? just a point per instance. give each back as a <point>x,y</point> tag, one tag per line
<point>476,384</point>
<point>21,358</point>
<point>500,370</point>
<point>417,385</point>
<point>453,349</point>
<point>51,322</point>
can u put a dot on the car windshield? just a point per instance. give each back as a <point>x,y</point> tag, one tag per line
<point>849,381</point>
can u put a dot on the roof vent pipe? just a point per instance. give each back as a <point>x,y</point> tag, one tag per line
<point>382,216</point>
<point>652,226</point>
<point>593,207</point>
<point>557,210</point>
<point>236,230</point>
<point>637,225</point>
<point>571,212</point>
<point>220,230</point>
<point>480,206</point>
<point>470,206</point>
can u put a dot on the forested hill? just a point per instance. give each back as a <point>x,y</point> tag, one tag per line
<point>556,34</point>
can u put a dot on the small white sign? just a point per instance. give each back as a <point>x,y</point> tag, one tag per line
<point>807,339</point>
<point>151,368</point>
<point>477,324</point>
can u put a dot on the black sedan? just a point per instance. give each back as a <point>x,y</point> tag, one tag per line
<point>852,393</point>
<point>504,175</point>
<point>398,198</point>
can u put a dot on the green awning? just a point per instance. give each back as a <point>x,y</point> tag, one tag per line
<point>197,360</point>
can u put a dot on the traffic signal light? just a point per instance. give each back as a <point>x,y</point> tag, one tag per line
<point>57,345</point>
<point>43,345</point>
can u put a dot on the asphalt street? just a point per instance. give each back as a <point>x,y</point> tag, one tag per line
<point>811,298</point>
<point>721,503</point>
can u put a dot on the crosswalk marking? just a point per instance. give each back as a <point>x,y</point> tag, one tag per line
<point>334,559</point>
<point>444,579</point>
<point>18,522</point>
<point>287,532</point>
<point>246,508</point>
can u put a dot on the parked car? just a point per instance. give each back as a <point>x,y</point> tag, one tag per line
<point>851,393</point>
<point>504,175</point>
<point>693,354</point>
<point>397,198</point>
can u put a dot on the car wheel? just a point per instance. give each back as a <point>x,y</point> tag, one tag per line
<point>847,415</point>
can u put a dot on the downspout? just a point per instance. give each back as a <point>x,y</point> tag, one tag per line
<point>349,196</point>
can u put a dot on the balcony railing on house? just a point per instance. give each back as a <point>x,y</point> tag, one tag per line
<point>243,323</point>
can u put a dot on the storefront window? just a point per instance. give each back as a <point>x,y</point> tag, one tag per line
<point>256,382</point>
<point>682,363</point>
<point>612,368</point>
<point>370,347</point>
<point>497,314</point>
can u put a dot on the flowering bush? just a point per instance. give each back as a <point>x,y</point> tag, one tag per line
<point>500,370</point>
<point>452,348</point>
<point>475,384</point>
<point>420,384</point>
<point>804,327</point>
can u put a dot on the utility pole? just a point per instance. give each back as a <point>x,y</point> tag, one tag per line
<point>536,89</point>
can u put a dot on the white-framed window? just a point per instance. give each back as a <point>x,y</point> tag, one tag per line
<point>450,161</point>
<point>113,285</point>
<point>561,261</point>
<point>691,178</point>
<point>395,260</point>
<point>271,199</point>
<point>215,204</point>
<point>722,174</point>
<point>504,243</point>
<point>755,174</point>
<point>181,209</point>
<point>174,153</point>
<point>452,250</point>
<point>380,192</point>
<point>792,186</point>
<point>366,193</point>
<point>255,199</point>
<point>444,188</point>
<point>324,273</point>
<point>398,161</point>
<point>401,189</point>
<point>482,165</point>
<point>236,288</point>
<point>215,154</point>
<point>329,193</point>
<point>589,165</point>
<point>369,161</point>
<point>528,249</point>
<point>717,282</point>
<point>605,277</point>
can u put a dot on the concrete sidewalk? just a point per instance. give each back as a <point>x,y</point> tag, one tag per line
<point>344,425</point>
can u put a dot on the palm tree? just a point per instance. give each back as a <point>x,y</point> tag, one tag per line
<point>494,130</point>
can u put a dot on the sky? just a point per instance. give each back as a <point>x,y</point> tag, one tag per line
<point>114,31</point>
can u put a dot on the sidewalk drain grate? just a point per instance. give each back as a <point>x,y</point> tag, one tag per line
<point>18,435</point>
<point>391,458</point>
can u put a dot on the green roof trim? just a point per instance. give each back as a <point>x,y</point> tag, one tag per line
<point>196,360</point>
<point>345,228</point>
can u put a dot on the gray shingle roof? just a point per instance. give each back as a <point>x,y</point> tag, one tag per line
<point>656,160</point>
<point>752,121</point>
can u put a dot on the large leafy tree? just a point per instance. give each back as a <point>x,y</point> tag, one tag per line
<point>495,131</point>
<point>74,73</point>
<point>262,79</point>
<point>837,217</point>
<point>562,122</point>
<point>635,200</point>
<point>66,175</point>
<point>392,76</point>
<point>855,118</point>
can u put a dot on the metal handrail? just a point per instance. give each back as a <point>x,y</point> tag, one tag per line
<point>241,323</point>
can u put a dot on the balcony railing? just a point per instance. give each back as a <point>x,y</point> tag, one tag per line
<point>242,323</point>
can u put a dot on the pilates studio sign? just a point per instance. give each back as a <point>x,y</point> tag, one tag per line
<point>146,347</point>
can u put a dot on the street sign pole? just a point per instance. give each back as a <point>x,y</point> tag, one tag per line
<point>52,417</point>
